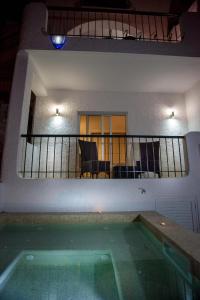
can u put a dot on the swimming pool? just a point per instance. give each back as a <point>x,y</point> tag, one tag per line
<point>122,261</point>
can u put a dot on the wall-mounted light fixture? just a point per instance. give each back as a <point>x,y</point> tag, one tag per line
<point>172,115</point>
<point>162,223</point>
<point>57,112</point>
<point>58,41</point>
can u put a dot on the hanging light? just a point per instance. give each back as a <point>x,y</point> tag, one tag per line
<point>58,41</point>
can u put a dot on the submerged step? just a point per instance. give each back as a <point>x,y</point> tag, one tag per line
<point>60,275</point>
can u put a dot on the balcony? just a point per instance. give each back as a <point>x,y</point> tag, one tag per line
<point>114,24</point>
<point>102,156</point>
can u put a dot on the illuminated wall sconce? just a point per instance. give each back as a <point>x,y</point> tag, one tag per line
<point>58,41</point>
<point>57,112</point>
<point>163,224</point>
<point>172,115</point>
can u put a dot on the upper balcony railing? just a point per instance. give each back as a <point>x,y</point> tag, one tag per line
<point>102,156</point>
<point>114,24</point>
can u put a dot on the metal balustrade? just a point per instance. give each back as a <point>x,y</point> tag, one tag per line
<point>113,24</point>
<point>117,156</point>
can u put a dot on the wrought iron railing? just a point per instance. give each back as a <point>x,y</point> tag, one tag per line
<point>113,24</point>
<point>102,156</point>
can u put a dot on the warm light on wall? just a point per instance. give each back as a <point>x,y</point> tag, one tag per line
<point>53,108</point>
<point>172,120</point>
<point>170,112</point>
<point>98,210</point>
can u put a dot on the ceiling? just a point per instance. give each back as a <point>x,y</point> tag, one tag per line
<point>117,72</point>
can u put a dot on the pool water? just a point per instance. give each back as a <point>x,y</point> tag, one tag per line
<point>65,274</point>
<point>91,261</point>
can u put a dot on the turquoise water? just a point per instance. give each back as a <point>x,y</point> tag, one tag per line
<point>101,261</point>
<point>68,274</point>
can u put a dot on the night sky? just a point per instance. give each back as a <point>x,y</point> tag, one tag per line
<point>12,11</point>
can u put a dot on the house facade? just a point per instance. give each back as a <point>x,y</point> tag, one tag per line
<point>126,83</point>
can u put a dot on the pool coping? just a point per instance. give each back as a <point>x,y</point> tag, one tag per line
<point>68,217</point>
<point>185,240</point>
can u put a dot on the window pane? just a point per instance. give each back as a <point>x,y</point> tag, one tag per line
<point>106,141</point>
<point>94,128</point>
<point>119,145</point>
<point>94,125</point>
<point>83,124</point>
<point>113,149</point>
<point>119,125</point>
<point>106,124</point>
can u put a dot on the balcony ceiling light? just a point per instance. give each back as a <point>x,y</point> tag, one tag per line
<point>58,41</point>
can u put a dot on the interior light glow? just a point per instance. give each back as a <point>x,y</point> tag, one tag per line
<point>58,41</point>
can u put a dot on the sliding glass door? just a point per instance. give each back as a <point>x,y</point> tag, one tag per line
<point>112,149</point>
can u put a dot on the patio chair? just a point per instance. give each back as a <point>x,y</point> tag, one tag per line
<point>149,158</point>
<point>89,160</point>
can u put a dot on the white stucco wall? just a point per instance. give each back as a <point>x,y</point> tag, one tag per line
<point>192,98</point>
<point>91,195</point>
<point>148,113</point>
